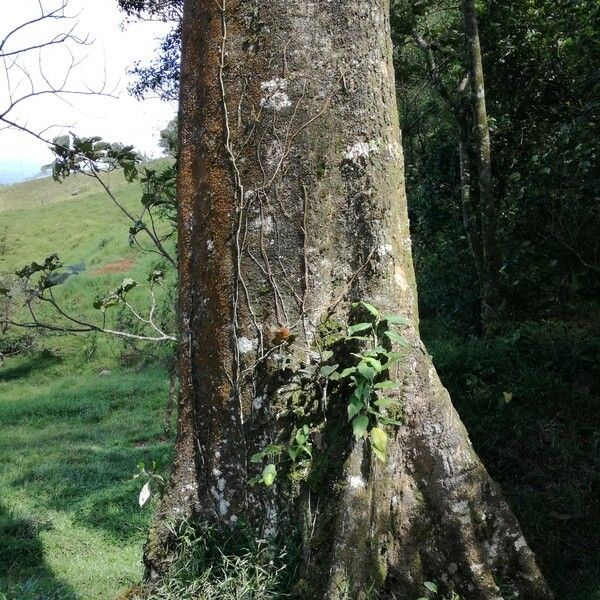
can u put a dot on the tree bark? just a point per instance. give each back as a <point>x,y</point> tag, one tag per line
<point>491,300</point>
<point>291,207</point>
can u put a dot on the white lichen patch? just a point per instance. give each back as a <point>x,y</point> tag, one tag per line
<point>275,94</point>
<point>210,245</point>
<point>461,507</point>
<point>245,345</point>
<point>257,403</point>
<point>520,543</point>
<point>356,482</point>
<point>384,250</point>
<point>360,150</point>
<point>394,151</point>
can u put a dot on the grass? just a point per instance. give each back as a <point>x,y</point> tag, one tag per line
<point>70,438</point>
<point>70,525</point>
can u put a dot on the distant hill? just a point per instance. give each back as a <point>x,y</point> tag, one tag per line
<point>15,171</point>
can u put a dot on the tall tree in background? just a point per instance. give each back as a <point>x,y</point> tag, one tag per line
<point>490,292</point>
<point>294,249</point>
<point>462,89</point>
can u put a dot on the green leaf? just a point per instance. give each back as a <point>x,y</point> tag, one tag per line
<point>302,435</point>
<point>396,320</point>
<point>385,402</point>
<point>379,439</point>
<point>255,458</point>
<point>374,363</point>
<point>366,371</point>
<point>326,355</point>
<point>392,335</point>
<point>392,359</point>
<point>270,450</point>
<point>352,329</point>
<point>306,449</point>
<point>369,307</point>
<point>354,407</point>
<point>388,384</point>
<point>347,372</point>
<point>269,473</point>
<point>328,370</point>
<point>254,480</point>
<point>359,426</point>
<point>432,587</point>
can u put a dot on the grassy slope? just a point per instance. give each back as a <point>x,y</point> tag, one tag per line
<point>70,439</point>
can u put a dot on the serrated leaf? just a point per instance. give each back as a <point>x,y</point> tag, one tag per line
<point>144,494</point>
<point>378,439</point>
<point>254,480</point>
<point>255,458</point>
<point>359,426</point>
<point>269,473</point>
<point>302,435</point>
<point>392,359</point>
<point>352,329</point>
<point>385,402</point>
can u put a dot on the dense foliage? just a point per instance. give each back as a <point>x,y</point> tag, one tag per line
<point>528,391</point>
<point>540,62</point>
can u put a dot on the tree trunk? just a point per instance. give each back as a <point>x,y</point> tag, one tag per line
<point>490,293</point>
<point>469,207</point>
<point>292,206</point>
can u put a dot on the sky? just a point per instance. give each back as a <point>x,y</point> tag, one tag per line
<point>103,63</point>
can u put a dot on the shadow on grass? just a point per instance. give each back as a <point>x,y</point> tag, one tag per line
<point>27,366</point>
<point>95,487</point>
<point>75,447</point>
<point>24,574</point>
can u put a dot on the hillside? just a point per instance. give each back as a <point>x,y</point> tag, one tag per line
<point>74,422</point>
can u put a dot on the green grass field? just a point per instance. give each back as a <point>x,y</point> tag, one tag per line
<point>71,438</point>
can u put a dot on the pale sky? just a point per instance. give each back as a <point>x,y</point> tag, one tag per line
<point>111,52</point>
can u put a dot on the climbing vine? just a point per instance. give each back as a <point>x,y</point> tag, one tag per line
<point>371,391</point>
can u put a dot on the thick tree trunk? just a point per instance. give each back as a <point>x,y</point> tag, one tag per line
<point>491,300</point>
<point>292,206</point>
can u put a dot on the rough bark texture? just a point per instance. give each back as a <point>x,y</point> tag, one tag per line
<point>292,206</point>
<point>491,291</point>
